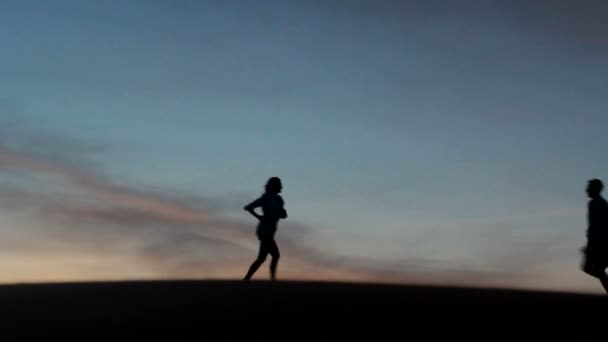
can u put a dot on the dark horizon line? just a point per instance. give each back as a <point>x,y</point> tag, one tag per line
<point>294,282</point>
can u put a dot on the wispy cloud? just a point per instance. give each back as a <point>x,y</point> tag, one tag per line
<point>162,234</point>
<point>177,237</point>
<point>167,221</point>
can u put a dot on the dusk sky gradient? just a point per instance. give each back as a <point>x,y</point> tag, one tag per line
<point>444,142</point>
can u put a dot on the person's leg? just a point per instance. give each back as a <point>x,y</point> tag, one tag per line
<point>603,265</point>
<point>604,281</point>
<point>590,261</point>
<point>273,249</point>
<point>588,266</point>
<point>258,261</point>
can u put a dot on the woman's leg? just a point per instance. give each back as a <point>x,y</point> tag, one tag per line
<point>273,249</point>
<point>258,261</point>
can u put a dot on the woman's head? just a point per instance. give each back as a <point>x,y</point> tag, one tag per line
<point>274,185</point>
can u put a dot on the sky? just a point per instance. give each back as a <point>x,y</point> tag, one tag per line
<point>418,141</point>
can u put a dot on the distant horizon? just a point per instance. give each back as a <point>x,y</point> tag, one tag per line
<point>417,142</point>
<point>267,282</point>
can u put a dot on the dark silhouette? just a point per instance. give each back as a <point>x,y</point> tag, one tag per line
<point>596,251</point>
<point>273,210</point>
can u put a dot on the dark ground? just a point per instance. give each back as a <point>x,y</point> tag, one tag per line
<point>226,310</point>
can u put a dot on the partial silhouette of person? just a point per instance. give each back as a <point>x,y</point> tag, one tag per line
<point>273,209</point>
<point>596,251</point>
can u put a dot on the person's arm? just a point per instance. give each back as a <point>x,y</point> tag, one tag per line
<point>252,206</point>
<point>283,213</point>
<point>591,218</point>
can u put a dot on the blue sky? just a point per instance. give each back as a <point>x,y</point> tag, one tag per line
<point>418,141</point>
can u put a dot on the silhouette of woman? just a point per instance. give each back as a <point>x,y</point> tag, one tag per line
<point>273,210</point>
